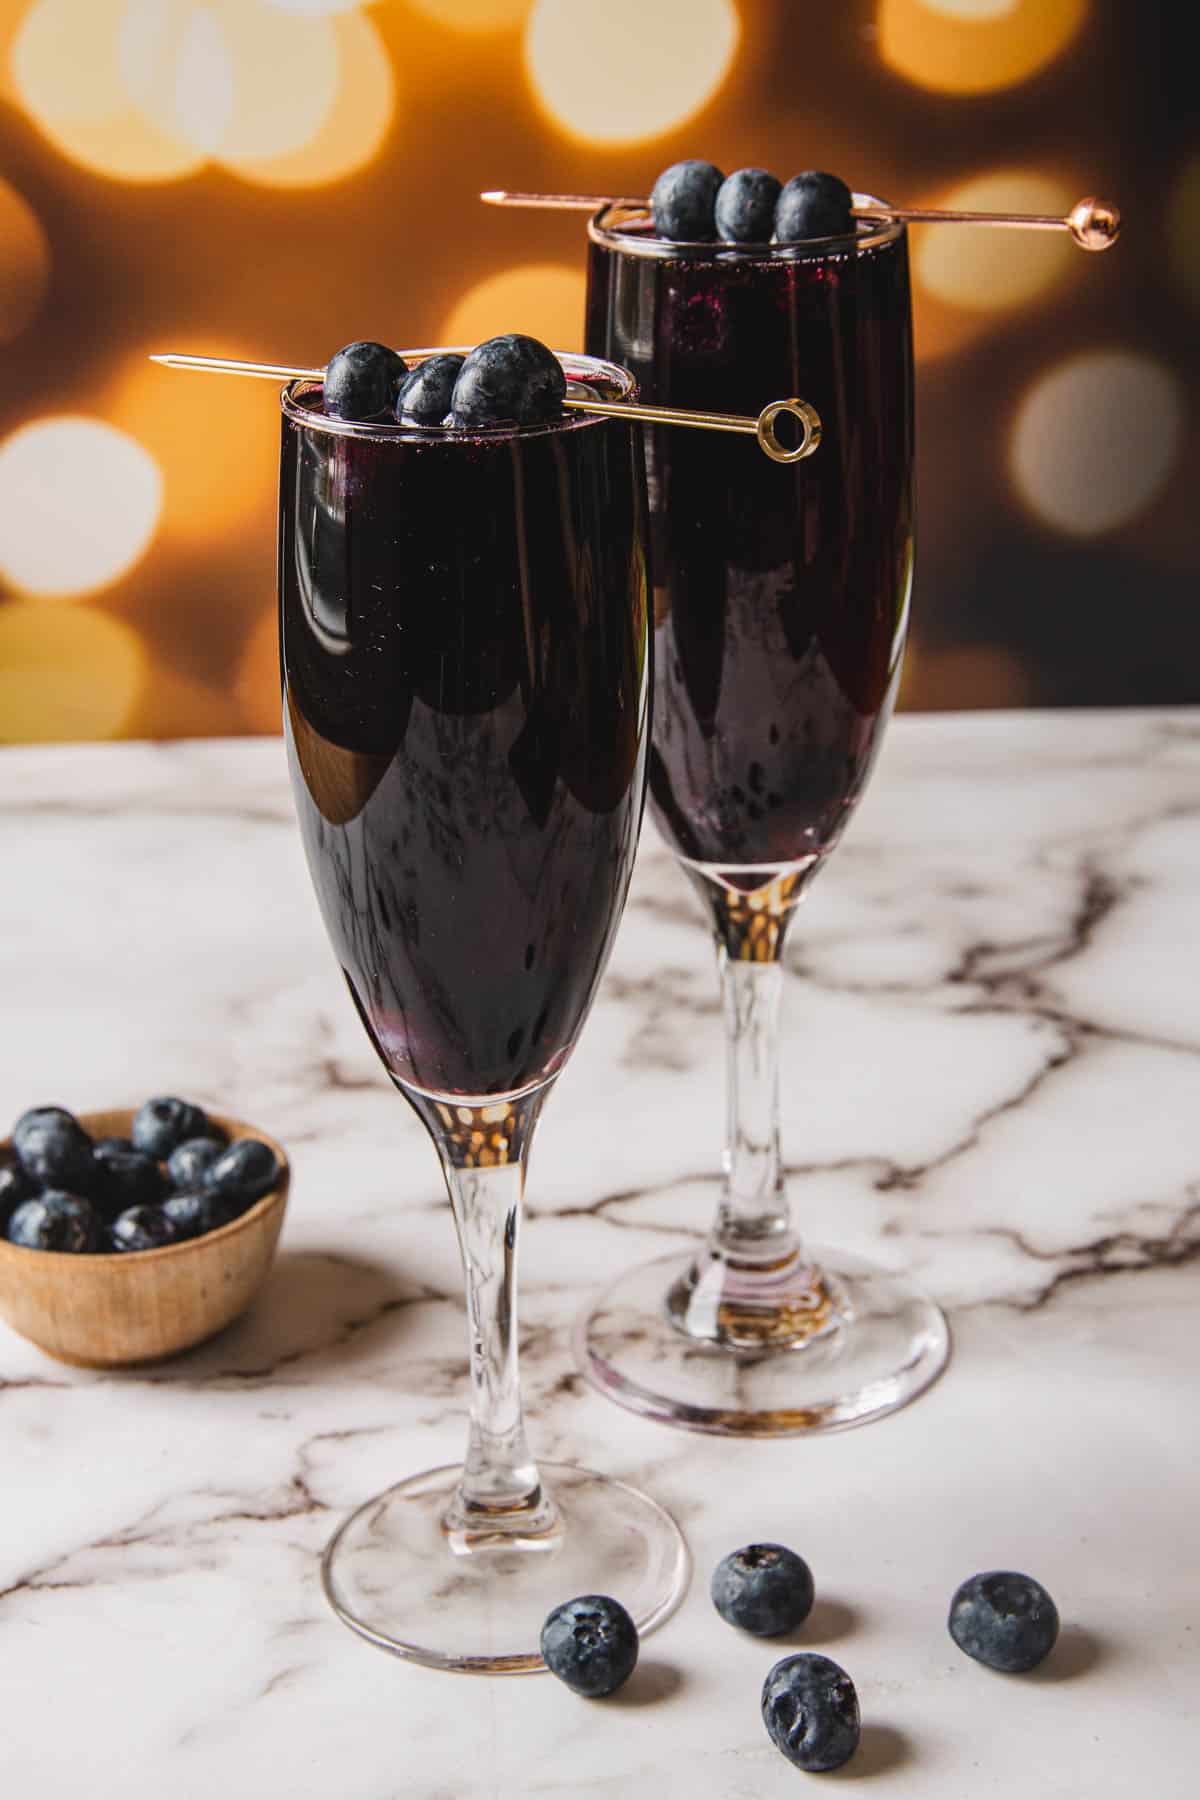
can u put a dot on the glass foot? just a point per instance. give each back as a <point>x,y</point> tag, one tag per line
<point>394,1574</point>
<point>874,1344</point>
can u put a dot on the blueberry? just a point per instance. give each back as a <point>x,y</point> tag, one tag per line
<point>745,208</point>
<point>56,1221</point>
<point>102,1146</point>
<point>763,1589</point>
<point>425,396</point>
<point>53,1149</point>
<point>161,1124</point>
<point>192,1214</point>
<point>810,1710</point>
<point>125,1178</point>
<point>682,201</point>
<point>591,1644</point>
<point>189,1162</point>
<point>361,380</point>
<point>15,1186</point>
<point>244,1172</point>
<point>509,378</point>
<point>1005,1620</point>
<point>813,205</point>
<point>143,1228</point>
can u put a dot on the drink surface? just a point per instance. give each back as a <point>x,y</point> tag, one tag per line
<point>465,648</point>
<point>780,591</point>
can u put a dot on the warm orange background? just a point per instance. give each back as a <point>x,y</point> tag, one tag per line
<point>270,178</point>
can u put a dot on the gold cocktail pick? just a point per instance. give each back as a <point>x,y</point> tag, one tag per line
<point>1094,224</point>
<point>762,427</point>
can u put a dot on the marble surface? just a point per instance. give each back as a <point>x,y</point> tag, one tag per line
<point>991,1078</point>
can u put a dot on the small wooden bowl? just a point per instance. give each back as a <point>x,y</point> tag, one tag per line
<point>138,1306</point>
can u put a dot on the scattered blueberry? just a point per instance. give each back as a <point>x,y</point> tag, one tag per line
<point>745,207</point>
<point>425,395</point>
<point>682,201</point>
<point>15,1186</point>
<point>505,378</point>
<point>245,1172</point>
<point>125,1178</point>
<point>189,1162</point>
<point>763,1589</point>
<point>192,1214</point>
<point>810,1710</point>
<point>53,1148</point>
<point>813,205</point>
<point>591,1644</point>
<point>361,380</point>
<point>143,1228</point>
<point>56,1221</point>
<point>161,1124</point>
<point>1005,1620</point>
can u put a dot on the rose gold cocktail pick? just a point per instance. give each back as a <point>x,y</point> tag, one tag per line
<point>763,427</point>
<point>1094,224</point>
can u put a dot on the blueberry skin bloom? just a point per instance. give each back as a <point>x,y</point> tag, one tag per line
<point>245,1172</point>
<point>164,1122</point>
<point>426,394</point>
<point>591,1644</point>
<point>745,207</point>
<point>143,1228</point>
<point>1005,1620</point>
<point>810,1710</point>
<point>191,1215</point>
<point>189,1162</point>
<point>763,1589</point>
<point>56,1221</point>
<point>508,379</point>
<point>361,380</point>
<point>813,205</point>
<point>15,1186</point>
<point>53,1149</point>
<point>683,200</point>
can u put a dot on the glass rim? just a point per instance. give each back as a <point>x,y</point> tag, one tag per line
<point>576,366</point>
<point>877,233</point>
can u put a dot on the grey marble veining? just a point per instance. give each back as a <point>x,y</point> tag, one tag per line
<point>991,1065</point>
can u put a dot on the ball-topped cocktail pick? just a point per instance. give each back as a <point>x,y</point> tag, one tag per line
<point>762,427</point>
<point>1094,224</point>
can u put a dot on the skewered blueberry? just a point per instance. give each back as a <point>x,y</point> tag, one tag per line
<point>161,1124</point>
<point>15,1186</point>
<point>763,1589</point>
<point>244,1172</point>
<point>1005,1620</point>
<point>361,380</point>
<point>192,1214</point>
<point>682,201</point>
<point>189,1162</point>
<point>143,1228</point>
<point>425,395</point>
<point>508,378</point>
<point>810,1710</point>
<point>813,205</point>
<point>125,1178</point>
<point>591,1644</point>
<point>745,207</point>
<point>53,1149</point>
<point>56,1221</point>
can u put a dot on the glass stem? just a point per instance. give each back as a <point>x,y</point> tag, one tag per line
<point>753,1223</point>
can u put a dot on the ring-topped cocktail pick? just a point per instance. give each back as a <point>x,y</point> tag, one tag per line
<point>1094,224</point>
<point>763,427</point>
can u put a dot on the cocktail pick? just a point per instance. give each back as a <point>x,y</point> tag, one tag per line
<point>763,427</point>
<point>1094,224</point>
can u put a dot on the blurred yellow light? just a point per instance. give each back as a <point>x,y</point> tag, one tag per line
<point>356,124</point>
<point>24,262</point>
<point>79,502</point>
<point>257,682</point>
<point>1095,438</point>
<point>66,74</point>
<point>544,300</point>
<point>474,15</point>
<point>974,50</point>
<point>626,70</point>
<point>963,676</point>
<point>1183,228</point>
<point>312,7</point>
<point>986,270</point>
<point>973,9</point>
<point>66,672</point>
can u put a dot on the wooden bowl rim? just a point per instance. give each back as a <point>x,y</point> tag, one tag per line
<point>126,1259</point>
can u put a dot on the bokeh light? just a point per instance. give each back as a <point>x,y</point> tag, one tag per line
<point>986,270</point>
<point>257,682</point>
<point>624,71</point>
<point>1183,228</point>
<point>311,8</point>
<point>474,15</point>
<point>79,502</point>
<point>24,262</point>
<point>543,299</point>
<point>964,675</point>
<point>1095,438</point>
<point>974,49</point>
<point>66,672</point>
